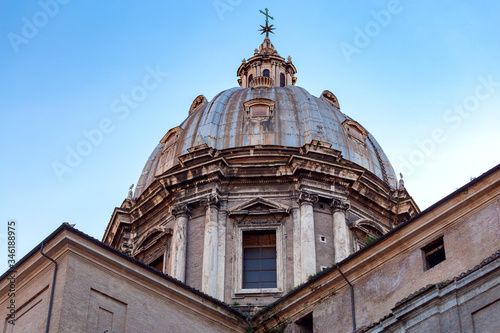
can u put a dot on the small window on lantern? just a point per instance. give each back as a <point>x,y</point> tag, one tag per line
<point>282,80</point>
<point>266,72</point>
<point>250,78</point>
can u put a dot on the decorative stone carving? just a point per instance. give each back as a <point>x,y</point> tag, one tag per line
<point>209,201</point>
<point>262,82</point>
<point>330,98</point>
<point>306,197</point>
<point>260,103</point>
<point>130,196</point>
<point>180,209</point>
<point>401,182</point>
<point>200,100</point>
<point>340,205</point>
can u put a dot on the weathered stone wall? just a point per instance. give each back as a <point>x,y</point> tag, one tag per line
<point>470,240</point>
<point>32,296</point>
<point>98,291</point>
<point>323,226</point>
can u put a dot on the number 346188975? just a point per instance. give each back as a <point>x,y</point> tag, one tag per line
<point>11,237</point>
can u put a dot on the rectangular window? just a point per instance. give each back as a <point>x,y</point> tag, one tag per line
<point>434,253</point>
<point>259,259</point>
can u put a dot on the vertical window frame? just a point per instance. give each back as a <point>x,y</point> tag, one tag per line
<point>282,80</point>
<point>238,260</point>
<point>262,255</point>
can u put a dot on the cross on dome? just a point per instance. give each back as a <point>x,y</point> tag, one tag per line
<point>268,28</point>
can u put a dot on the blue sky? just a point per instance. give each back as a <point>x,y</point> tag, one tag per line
<point>422,76</point>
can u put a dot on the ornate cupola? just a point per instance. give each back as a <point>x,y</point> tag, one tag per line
<point>266,68</point>
<point>266,62</point>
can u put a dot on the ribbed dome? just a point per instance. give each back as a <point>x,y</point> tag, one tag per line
<point>293,118</point>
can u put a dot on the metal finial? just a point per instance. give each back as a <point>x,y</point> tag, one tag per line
<point>268,28</point>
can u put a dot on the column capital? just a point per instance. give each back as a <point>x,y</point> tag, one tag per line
<point>340,205</point>
<point>306,197</point>
<point>211,200</point>
<point>180,209</point>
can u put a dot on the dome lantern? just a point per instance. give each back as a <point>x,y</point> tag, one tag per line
<point>266,62</point>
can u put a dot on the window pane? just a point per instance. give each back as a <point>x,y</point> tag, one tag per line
<point>251,276</point>
<point>268,252</point>
<point>252,265</point>
<point>268,264</point>
<point>251,285</point>
<point>268,285</point>
<point>251,253</point>
<point>268,276</point>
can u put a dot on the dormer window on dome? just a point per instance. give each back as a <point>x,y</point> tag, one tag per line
<point>259,108</point>
<point>355,130</point>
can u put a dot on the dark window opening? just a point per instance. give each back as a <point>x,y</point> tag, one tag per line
<point>259,259</point>
<point>282,80</point>
<point>157,264</point>
<point>266,72</point>
<point>250,78</point>
<point>305,324</point>
<point>434,253</point>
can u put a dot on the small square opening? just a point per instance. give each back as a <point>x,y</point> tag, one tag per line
<point>306,324</point>
<point>434,253</point>
<point>322,239</point>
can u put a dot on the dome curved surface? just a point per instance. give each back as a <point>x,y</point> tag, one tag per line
<point>297,118</point>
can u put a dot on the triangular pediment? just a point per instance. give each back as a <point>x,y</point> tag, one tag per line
<point>259,206</point>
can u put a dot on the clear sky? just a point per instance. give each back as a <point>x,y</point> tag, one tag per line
<point>422,76</point>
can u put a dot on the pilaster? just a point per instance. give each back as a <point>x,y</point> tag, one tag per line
<point>211,246</point>
<point>341,237</point>
<point>307,235</point>
<point>178,261</point>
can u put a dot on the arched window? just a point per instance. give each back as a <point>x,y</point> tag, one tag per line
<point>250,78</point>
<point>282,80</point>
<point>266,72</point>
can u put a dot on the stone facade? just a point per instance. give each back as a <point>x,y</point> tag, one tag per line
<point>385,273</point>
<point>99,288</point>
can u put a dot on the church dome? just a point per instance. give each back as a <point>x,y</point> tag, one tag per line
<point>267,110</point>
